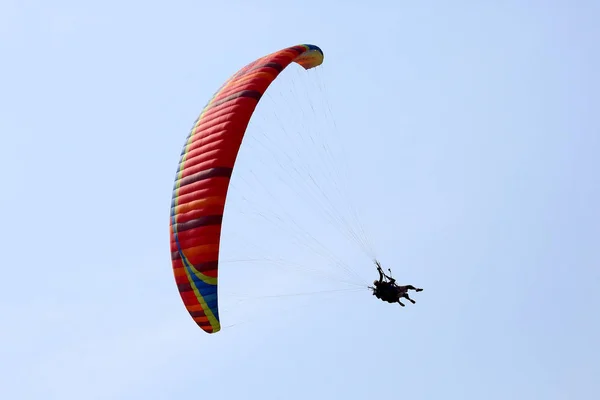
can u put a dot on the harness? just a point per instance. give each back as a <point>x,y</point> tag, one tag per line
<point>387,291</point>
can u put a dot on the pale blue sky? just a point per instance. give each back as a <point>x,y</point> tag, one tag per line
<point>471,131</point>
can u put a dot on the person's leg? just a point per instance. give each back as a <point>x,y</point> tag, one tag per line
<point>408,298</point>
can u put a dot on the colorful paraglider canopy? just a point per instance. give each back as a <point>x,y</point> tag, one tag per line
<point>203,177</point>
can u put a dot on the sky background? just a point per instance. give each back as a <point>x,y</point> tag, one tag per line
<point>471,135</point>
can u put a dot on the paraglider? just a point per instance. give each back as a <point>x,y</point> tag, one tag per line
<point>203,176</point>
<point>387,290</point>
